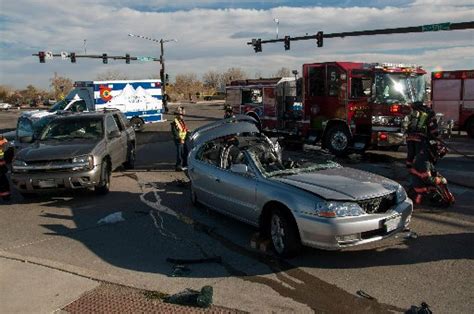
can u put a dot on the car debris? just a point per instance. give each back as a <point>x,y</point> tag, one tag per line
<point>214,259</point>
<point>180,271</point>
<point>191,297</point>
<point>111,219</point>
<point>364,294</point>
<point>423,309</point>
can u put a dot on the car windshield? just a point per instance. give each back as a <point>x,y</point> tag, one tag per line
<point>399,87</point>
<point>60,105</point>
<point>265,158</point>
<point>73,128</point>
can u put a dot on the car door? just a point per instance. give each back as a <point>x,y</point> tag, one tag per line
<point>236,191</point>
<point>123,138</point>
<point>114,144</point>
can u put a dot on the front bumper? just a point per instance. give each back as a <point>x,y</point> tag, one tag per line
<point>385,137</point>
<point>51,181</point>
<point>338,233</point>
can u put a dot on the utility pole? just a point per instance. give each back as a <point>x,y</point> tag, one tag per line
<point>162,61</point>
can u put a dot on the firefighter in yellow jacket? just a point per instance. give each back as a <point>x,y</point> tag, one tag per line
<point>4,157</point>
<point>180,133</point>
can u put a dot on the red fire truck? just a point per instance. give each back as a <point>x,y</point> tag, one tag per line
<point>452,94</point>
<point>345,105</point>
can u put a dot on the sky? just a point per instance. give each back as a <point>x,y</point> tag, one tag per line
<point>213,35</point>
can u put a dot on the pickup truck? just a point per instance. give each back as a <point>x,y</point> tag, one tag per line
<point>73,151</point>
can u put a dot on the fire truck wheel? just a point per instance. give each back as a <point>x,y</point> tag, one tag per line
<point>137,124</point>
<point>337,140</point>
<point>470,127</point>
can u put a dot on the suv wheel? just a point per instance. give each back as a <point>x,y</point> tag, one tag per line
<point>284,234</point>
<point>104,185</point>
<point>137,124</point>
<point>131,156</point>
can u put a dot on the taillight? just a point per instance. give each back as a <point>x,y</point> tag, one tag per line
<point>383,136</point>
<point>438,75</point>
<point>394,108</point>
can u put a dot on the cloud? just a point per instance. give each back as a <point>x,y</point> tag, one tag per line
<point>216,38</point>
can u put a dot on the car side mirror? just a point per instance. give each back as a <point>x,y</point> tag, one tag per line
<point>26,139</point>
<point>114,134</point>
<point>239,168</point>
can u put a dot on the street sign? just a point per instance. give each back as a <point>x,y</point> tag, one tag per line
<point>48,55</point>
<point>436,27</point>
<point>64,55</point>
<point>145,59</point>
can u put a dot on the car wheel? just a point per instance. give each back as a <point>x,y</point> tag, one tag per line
<point>338,140</point>
<point>27,195</point>
<point>137,124</point>
<point>284,234</point>
<point>131,157</point>
<point>104,185</point>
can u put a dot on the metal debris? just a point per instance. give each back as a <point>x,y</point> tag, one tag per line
<point>191,297</point>
<point>364,294</point>
<point>214,259</point>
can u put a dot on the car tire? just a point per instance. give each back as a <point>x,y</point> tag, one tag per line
<point>337,140</point>
<point>131,157</point>
<point>137,124</point>
<point>27,195</point>
<point>283,233</point>
<point>104,185</point>
<point>194,199</point>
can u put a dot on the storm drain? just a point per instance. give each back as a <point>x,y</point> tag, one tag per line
<point>109,298</point>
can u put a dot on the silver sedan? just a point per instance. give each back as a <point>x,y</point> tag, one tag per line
<point>236,170</point>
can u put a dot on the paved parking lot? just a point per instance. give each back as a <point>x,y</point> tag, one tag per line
<point>434,265</point>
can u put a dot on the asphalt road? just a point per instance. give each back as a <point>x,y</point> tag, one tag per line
<point>62,231</point>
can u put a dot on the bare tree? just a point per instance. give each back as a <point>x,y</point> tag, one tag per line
<point>283,72</point>
<point>60,86</point>
<point>111,75</point>
<point>187,86</point>
<point>232,74</point>
<point>211,80</point>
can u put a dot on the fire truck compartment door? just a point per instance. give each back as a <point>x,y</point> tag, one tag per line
<point>447,98</point>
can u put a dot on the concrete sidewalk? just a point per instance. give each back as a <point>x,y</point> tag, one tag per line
<point>32,288</point>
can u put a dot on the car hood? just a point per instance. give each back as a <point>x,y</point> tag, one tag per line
<point>41,151</point>
<point>224,127</point>
<point>341,184</point>
<point>36,114</point>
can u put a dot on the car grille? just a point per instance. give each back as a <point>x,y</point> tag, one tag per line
<point>379,204</point>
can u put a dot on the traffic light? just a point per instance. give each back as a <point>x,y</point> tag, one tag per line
<point>127,58</point>
<point>41,56</point>
<point>72,55</point>
<point>258,45</point>
<point>287,42</point>
<point>319,39</point>
<point>104,58</point>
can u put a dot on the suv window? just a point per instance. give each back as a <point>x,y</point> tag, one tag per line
<point>110,124</point>
<point>118,122</point>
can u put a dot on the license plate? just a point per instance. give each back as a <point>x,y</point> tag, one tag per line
<point>47,183</point>
<point>392,223</point>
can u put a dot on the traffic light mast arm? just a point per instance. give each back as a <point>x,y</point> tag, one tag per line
<point>99,57</point>
<point>400,30</point>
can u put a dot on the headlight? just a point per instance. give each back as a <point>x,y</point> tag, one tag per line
<point>85,160</point>
<point>19,165</point>
<point>401,194</point>
<point>338,209</point>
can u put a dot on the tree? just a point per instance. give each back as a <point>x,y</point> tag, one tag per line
<point>283,72</point>
<point>186,86</point>
<point>211,80</point>
<point>111,75</point>
<point>232,74</point>
<point>60,86</point>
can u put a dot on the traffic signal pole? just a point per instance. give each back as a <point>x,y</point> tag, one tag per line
<point>401,30</point>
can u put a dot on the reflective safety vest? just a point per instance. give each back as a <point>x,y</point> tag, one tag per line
<point>182,129</point>
<point>3,148</point>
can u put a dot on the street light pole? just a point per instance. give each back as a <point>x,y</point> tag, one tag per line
<point>162,61</point>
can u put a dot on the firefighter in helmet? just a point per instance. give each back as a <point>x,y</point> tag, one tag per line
<point>6,156</point>
<point>180,134</point>
<point>424,150</point>
<point>228,112</point>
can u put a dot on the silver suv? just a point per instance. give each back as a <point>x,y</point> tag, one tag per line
<point>75,151</point>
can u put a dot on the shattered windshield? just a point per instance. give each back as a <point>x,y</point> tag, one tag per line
<point>399,87</point>
<point>79,128</point>
<point>60,105</point>
<point>265,158</point>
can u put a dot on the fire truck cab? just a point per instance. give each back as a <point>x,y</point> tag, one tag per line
<point>345,105</point>
<point>452,94</point>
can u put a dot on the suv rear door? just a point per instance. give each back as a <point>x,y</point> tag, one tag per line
<point>117,146</point>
